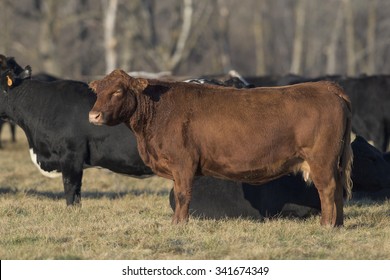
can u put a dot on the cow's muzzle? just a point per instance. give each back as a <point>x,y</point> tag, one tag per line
<point>96,118</point>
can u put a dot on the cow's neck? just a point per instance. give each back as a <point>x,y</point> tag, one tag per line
<point>143,116</point>
<point>24,109</point>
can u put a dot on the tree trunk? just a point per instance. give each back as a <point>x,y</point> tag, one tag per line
<point>183,37</point>
<point>300,14</point>
<point>258,31</point>
<point>149,6</point>
<point>128,43</point>
<point>4,31</point>
<point>350,38</point>
<point>110,8</point>
<point>371,37</point>
<point>331,50</point>
<point>47,37</point>
<point>223,38</point>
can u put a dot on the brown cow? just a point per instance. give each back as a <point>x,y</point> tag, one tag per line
<point>250,135</point>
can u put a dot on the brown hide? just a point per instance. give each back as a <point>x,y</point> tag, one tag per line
<point>249,135</point>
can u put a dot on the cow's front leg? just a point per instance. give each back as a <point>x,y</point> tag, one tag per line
<point>182,188</point>
<point>72,179</point>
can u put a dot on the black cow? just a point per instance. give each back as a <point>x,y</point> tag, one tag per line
<point>232,82</point>
<point>54,117</point>
<point>233,79</point>
<point>264,81</point>
<point>371,171</point>
<point>371,115</point>
<point>288,195</point>
<point>44,77</point>
<point>369,96</point>
<point>370,102</point>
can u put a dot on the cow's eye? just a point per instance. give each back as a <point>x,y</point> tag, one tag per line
<point>117,93</point>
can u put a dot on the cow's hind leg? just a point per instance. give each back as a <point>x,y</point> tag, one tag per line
<point>13,132</point>
<point>330,190</point>
<point>339,203</point>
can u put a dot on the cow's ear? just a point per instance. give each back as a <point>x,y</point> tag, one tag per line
<point>93,85</point>
<point>140,84</point>
<point>26,74</point>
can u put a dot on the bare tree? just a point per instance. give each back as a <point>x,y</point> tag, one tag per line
<point>198,37</point>
<point>300,14</point>
<point>184,34</point>
<point>48,36</point>
<point>350,38</point>
<point>4,30</point>
<point>371,36</point>
<point>168,57</point>
<point>202,19</point>
<point>258,32</point>
<point>150,16</point>
<point>223,35</point>
<point>331,49</point>
<point>129,42</point>
<point>110,42</point>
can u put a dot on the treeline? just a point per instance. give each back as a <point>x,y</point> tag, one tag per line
<point>82,38</point>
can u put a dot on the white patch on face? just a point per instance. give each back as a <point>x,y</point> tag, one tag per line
<point>51,174</point>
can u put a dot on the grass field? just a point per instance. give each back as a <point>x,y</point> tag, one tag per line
<point>127,218</point>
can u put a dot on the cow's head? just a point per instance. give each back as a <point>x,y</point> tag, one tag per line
<point>116,98</point>
<point>12,73</point>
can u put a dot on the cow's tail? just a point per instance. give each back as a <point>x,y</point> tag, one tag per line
<point>346,159</point>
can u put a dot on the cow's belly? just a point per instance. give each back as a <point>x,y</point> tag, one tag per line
<point>255,172</point>
<point>250,161</point>
<point>50,170</point>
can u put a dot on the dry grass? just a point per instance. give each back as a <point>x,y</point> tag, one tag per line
<point>127,218</point>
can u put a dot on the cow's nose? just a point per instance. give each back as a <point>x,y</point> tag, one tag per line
<point>95,117</point>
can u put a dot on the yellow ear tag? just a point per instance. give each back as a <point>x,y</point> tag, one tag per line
<point>9,81</point>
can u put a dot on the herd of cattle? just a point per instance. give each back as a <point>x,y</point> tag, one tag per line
<point>255,131</point>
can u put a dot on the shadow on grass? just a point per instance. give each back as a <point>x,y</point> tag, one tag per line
<point>84,194</point>
<point>358,205</point>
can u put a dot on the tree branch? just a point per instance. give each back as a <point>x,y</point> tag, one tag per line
<point>184,34</point>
